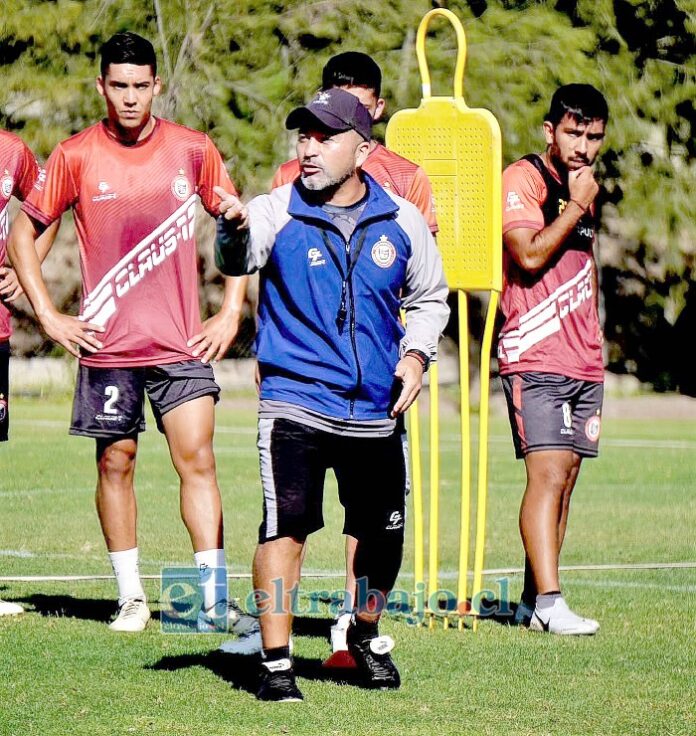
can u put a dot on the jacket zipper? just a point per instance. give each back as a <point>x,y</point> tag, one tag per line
<point>347,280</point>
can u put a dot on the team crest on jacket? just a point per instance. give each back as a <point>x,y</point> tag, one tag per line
<point>6,184</point>
<point>383,252</point>
<point>181,188</point>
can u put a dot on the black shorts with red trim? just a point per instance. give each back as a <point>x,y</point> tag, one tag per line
<point>549,411</point>
<point>371,472</point>
<point>110,402</point>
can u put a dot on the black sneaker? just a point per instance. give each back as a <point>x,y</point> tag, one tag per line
<point>373,660</point>
<point>278,683</point>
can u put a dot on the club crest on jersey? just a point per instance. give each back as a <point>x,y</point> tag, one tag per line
<point>593,427</point>
<point>181,188</point>
<point>316,257</point>
<point>383,252</point>
<point>6,184</point>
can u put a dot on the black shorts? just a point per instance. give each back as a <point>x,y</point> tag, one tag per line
<point>4,390</point>
<point>110,402</point>
<point>548,411</point>
<point>371,472</point>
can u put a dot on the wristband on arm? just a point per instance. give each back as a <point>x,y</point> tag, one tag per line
<point>420,356</point>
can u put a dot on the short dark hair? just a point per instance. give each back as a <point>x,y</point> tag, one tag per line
<point>581,101</point>
<point>352,69</point>
<point>128,48</point>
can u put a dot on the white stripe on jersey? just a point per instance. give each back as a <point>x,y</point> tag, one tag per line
<point>4,222</point>
<point>545,318</point>
<point>101,303</point>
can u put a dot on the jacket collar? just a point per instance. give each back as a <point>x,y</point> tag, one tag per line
<point>379,203</point>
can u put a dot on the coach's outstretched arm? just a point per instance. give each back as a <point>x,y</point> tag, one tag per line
<point>70,332</point>
<point>245,234</point>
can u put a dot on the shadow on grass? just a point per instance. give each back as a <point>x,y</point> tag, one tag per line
<point>242,673</point>
<point>92,609</point>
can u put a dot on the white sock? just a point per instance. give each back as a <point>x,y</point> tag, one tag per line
<point>125,565</point>
<point>213,580</point>
<point>553,604</point>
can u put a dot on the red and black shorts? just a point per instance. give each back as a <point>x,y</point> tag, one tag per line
<point>549,411</point>
<point>371,472</point>
<point>110,402</point>
<point>4,389</point>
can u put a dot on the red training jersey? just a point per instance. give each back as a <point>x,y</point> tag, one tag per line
<point>18,172</point>
<point>134,210</point>
<point>551,318</point>
<point>389,170</point>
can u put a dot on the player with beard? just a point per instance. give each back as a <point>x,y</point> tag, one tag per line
<point>338,257</point>
<point>550,347</point>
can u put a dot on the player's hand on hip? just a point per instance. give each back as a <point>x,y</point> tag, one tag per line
<point>216,335</point>
<point>582,186</point>
<point>231,208</point>
<point>10,288</point>
<point>409,370</point>
<point>72,333</point>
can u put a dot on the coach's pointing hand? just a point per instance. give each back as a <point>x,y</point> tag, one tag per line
<point>410,370</point>
<point>231,208</point>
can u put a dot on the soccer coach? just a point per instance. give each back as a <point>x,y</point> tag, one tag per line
<point>338,257</point>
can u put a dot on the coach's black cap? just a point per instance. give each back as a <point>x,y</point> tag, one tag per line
<point>335,109</point>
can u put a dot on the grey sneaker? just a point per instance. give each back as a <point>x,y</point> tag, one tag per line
<point>236,622</point>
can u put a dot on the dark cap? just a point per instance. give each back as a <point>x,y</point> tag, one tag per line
<point>335,109</point>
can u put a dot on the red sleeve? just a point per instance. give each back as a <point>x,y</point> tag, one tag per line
<point>54,191</point>
<point>286,173</point>
<point>420,193</point>
<point>27,173</point>
<point>213,174</point>
<point>524,192</point>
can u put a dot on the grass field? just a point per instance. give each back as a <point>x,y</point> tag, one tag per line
<point>64,672</point>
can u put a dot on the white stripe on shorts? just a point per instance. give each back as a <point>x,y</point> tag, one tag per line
<point>407,462</point>
<point>267,482</point>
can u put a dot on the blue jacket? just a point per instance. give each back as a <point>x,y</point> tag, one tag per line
<point>329,337</point>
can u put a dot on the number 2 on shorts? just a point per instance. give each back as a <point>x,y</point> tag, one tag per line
<point>112,394</point>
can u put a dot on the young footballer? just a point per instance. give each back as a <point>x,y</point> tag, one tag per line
<point>133,181</point>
